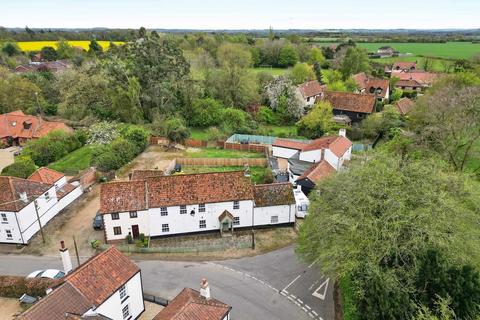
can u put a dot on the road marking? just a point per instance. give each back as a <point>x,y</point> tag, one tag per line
<point>313,311</point>
<point>323,286</point>
<point>293,296</point>
<point>300,301</point>
<point>311,265</point>
<point>308,307</point>
<point>288,285</point>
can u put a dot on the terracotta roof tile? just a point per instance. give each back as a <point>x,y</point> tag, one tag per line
<point>102,275</point>
<point>143,174</point>
<point>289,144</point>
<point>347,101</point>
<point>311,88</point>
<point>340,145</point>
<point>423,77</point>
<point>11,188</point>
<point>360,79</point>
<point>318,172</point>
<point>376,86</point>
<point>12,125</point>
<point>320,143</point>
<point>190,305</point>
<point>404,105</point>
<point>275,194</point>
<point>165,191</point>
<point>64,190</point>
<point>404,65</point>
<point>46,175</point>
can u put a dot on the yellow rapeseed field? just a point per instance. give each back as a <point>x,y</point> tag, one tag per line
<point>38,45</point>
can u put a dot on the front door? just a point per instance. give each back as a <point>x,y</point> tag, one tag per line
<point>135,231</point>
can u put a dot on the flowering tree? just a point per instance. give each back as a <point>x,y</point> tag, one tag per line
<point>284,98</point>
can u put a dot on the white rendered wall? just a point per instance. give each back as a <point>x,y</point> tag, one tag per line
<point>125,223</point>
<point>11,225</point>
<point>311,156</point>
<point>69,198</point>
<point>263,215</point>
<point>285,153</point>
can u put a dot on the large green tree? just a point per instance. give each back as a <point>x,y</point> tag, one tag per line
<point>355,61</point>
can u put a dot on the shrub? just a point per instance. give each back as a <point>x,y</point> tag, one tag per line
<point>266,115</point>
<point>176,130</point>
<point>206,112</point>
<point>14,287</point>
<point>138,136</point>
<point>22,168</point>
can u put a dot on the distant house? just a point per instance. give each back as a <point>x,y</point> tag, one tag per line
<point>26,203</point>
<point>403,66</point>
<point>191,304</point>
<point>415,80</point>
<point>310,91</point>
<point>378,87</point>
<point>107,286</point>
<point>308,163</point>
<point>42,66</point>
<point>386,51</point>
<point>190,203</point>
<point>353,105</point>
<point>16,128</point>
<point>404,105</point>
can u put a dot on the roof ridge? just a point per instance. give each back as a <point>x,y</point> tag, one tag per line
<point>83,265</point>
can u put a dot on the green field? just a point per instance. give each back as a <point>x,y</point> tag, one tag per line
<point>257,173</point>
<point>74,162</point>
<point>449,50</point>
<point>222,153</point>
<point>38,45</point>
<point>272,71</point>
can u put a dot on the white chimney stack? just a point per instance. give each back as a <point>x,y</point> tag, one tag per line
<point>65,255</point>
<point>205,289</point>
<point>342,132</point>
<point>23,197</point>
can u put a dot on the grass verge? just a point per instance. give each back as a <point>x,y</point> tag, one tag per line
<point>222,153</point>
<point>73,162</point>
<point>349,309</point>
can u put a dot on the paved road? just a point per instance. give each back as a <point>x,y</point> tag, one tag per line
<point>271,286</point>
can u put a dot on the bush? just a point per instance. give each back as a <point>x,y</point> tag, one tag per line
<point>266,115</point>
<point>206,112</point>
<point>22,168</point>
<point>176,130</point>
<point>138,136</point>
<point>15,287</point>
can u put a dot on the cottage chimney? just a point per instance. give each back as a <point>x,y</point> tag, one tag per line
<point>342,132</point>
<point>205,289</point>
<point>23,197</point>
<point>65,255</point>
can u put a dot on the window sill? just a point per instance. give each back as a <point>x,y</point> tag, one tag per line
<point>124,299</point>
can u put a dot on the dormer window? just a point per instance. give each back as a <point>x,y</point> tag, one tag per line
<point>372,89</point>
<point>27,125</point>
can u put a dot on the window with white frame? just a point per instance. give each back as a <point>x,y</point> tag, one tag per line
<point>236,221</point>
<point>163,211</point>
<point>117,230</point>
<point>126,312</point>
<point>123,292</point>
<point>115,216</point>
<point>202,224</point>
<point>236,205</point>
<point>201,207</point>
<point>133,214</point>
<point>183,209</point>
<point>46,196</point>
<point>4,218</point>
<point>165,227</point>
<point>9,234</point>
<point>274,219</point>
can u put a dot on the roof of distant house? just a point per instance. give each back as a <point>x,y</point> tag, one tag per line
<point>12,188</point>
<point>175,190</point>
<point>91,284</point>
<point>143,174</point>
<point>378,87</point>
<point>318,171</point>
<point>404,65</point>
<point>52,66</point>
<point>404,105</point>
<point>360,79</point>
<point>18,125</point>
<point>337,144</point>
<point>46,175</point>
<point>422,77</point>
<point>190,305</point>
<point>274,194</point>
<point>353,102</point>
<point>311,88</point>
<point>407,83</point>
<point>289,144</point>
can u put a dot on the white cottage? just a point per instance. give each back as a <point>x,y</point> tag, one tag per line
<point>25,204</point>
<point>107,286</point>
<point>179,204</point>
<point>310,91</point>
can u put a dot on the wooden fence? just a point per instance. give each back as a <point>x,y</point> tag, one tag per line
<point>156,140</point>
<point>195,143</point>
<point>225,162</point>
<point>246,147</point>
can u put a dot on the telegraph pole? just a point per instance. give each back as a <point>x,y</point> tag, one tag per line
<point>39,223</point>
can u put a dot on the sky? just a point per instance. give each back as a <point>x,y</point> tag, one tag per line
<point>241,14</point>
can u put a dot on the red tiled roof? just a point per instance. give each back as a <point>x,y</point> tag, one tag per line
<point>62,300</point>
<point>373,85</point>
<point>320,143</point>
<point>90,285</point>
<point>123,196</point>
<point>422,77</point>
<point>64,190</point>
<point>340,145</point>
<point>289,144</point>
<point>165,191</point>
<point>52,66</point>
<point>407,83</point>
<point>46,175</point>
<point>102,275</point>
<point>318,171</point>
<point>274,194</point>
<point>11,188</point>
<point>190,305</point>
<point>347,101</point>
<point>311,88</point>
<point>12,125</point>
<point>404,105</point>
<point>404,65</point>
<point>360,79</point>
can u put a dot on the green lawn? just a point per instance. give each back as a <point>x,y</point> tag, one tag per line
<point>257,173</point>
<point>76,161</point>
<point>349,309</point>
<point>449,50</point>
<point>222,153</point>
<point>278,131</point>
<point>199,134</point>
<point>272,71</point>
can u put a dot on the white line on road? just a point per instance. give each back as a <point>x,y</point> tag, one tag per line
<point>314,312</point>
<point>311,265</point>
<point>288,285</point>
